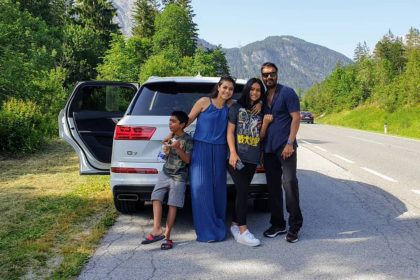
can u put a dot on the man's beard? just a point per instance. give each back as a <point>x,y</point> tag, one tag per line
<point>273,85</point>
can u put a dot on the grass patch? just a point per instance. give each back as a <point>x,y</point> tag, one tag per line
<point>404,122</point>
<point>52,218</point>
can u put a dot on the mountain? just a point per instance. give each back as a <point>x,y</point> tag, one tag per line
<point>124,12</point>
<point>300,63</point>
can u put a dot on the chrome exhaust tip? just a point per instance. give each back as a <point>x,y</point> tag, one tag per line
<point>128,197</point>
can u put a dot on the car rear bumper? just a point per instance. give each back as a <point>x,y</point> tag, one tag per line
<point>143,192</point>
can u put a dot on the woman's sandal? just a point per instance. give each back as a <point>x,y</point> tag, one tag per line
<point>167,244</point>
<point>152,238</point>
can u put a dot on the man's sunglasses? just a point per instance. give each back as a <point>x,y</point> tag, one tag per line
<point>271,74</point>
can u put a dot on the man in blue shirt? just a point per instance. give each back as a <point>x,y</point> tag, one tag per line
<point>280,158</point>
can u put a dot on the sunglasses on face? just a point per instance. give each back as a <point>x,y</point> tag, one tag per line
<point>271,75</point>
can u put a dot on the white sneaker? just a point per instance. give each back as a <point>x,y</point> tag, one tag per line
<point>234,229</point>
<point>247,238</point>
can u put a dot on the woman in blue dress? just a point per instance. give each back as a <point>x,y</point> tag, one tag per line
<point>208,162</point>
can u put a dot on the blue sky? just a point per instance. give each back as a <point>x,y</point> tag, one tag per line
<point>338,25</point>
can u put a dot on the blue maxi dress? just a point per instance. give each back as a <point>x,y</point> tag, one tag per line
<point>208,174</point>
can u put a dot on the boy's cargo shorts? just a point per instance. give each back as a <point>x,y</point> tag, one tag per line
<point>175,188</point>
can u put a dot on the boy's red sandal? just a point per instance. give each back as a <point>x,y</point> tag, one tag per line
<point>167,244</point>
<point>152,238</point>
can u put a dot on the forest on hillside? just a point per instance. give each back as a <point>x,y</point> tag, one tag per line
<point>48,45</point>
<point>387,78</point>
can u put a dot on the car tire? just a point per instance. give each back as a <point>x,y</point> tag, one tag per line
<point>261,205</point>
<point>128,207</point>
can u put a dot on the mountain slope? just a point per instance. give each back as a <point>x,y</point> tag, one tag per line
<point>300,63</point>
<point>124,15</point>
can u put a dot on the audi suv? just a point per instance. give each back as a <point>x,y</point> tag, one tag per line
<point>117,128</point>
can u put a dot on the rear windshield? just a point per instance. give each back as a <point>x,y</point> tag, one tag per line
<point>160,99</point>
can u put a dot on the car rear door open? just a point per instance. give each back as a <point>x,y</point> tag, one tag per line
<point>88,120</point>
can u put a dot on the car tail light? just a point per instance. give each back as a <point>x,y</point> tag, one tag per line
<point>133,132</point>
<point>134,170</point>
<point>260,169</point>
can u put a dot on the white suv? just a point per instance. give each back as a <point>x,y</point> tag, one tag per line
<point>118,128</point>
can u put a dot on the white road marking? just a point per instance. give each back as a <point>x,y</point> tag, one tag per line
<point>343,158</point>
<point>365,140</point>
<point>416,191</point>
<point>380,175</point>
<point>306,142</point>
<point>349,232</point>
<point>319,148</point>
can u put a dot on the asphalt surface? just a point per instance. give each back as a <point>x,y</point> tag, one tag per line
<point>361,214</point>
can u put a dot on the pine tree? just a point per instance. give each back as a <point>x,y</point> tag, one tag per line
<point>361,52</point>
<point>53,12</point>
<point>391,48</point>
<point>186,4</point>
<point>173,29</point>
<point>88,37</point>
<point>98,15</point>
<point>144,15</point>
<point>413,38</point>
<point>219,62</point>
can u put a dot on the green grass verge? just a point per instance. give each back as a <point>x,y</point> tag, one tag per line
<point>404,122</point>
<point>52,218</point>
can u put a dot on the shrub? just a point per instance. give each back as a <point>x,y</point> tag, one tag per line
<point>51,98</point>
<point>22,126</point>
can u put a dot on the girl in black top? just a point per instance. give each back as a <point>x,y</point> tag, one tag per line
<point>244,134</point>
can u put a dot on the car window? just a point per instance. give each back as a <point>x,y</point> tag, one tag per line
<point>160,99</point>
<point>103,98</point>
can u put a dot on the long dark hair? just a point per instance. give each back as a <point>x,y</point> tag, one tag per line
<point>245,100</point>
<point>215,92</point>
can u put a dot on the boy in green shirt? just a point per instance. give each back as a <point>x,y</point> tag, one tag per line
<point>172,179</point>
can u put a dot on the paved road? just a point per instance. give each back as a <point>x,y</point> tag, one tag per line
<point>392,163</point>
<point>361,221</point>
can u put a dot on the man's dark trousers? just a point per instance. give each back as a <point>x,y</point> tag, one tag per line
<point>275,168</point>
